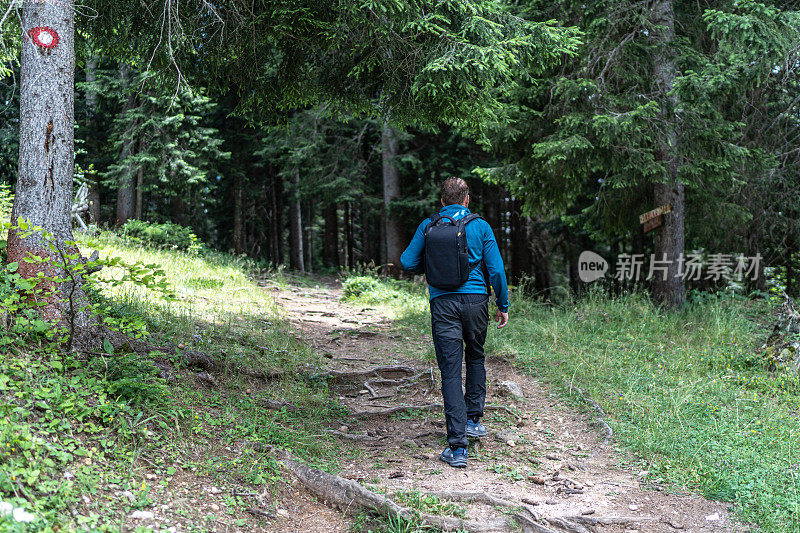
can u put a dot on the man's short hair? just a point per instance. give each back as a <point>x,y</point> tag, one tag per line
<point>454,191</point>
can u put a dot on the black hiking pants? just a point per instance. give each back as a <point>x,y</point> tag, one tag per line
<point>459,320</point>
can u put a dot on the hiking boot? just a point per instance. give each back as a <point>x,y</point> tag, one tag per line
<point>456,458</point>
<point>475,429</point>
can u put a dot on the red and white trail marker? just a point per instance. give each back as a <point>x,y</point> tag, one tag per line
<point>44,37</point>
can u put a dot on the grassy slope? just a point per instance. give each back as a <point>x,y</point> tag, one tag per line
<point>686,391</point>
<point>73,438</point>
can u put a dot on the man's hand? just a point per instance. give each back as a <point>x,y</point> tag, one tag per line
<point>501,318</point>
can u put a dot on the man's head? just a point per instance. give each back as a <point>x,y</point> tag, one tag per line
<point>455,191</point>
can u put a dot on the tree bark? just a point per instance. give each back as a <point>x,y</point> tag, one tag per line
<point>348,220</point>
<point>308,218</point>
<point>238,221</point>
<point>296,227</point>
<point>44,189</point>
<point>277,219</point>
<point>669,290</point>
<point>539,242</point>
<point>140,185</point>
<point>126,189</point>
<point>92,144</point>
<point>330,243</point>
<point>391,191</point>
<point>520,238</point>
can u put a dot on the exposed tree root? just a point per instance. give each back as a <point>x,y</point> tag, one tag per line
<point>354,436</point>
<point>600,418</point>
<point>348,495</point>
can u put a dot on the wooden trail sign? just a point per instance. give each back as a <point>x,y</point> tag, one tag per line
<point>653,219</point>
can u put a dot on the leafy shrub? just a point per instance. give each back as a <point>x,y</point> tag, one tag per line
<point>167,235</point>
<point>358,285</point>
<point>6,200</point>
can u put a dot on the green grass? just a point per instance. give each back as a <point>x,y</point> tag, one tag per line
<point>686,391</point>
<point>71,427</point>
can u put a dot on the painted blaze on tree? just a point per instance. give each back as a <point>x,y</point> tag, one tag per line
<point>46,148</point>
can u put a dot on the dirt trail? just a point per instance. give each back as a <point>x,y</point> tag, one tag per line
<point>551,457</point>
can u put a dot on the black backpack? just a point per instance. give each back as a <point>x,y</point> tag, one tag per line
<point>447,264</point>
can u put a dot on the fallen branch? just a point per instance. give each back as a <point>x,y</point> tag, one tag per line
<point>277,405</point>
<point>386,411</point>
<point>355,375</point>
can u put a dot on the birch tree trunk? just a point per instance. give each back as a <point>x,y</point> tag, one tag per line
<point>44,188</point>
<point>391,191</point>
<point>669,290</point>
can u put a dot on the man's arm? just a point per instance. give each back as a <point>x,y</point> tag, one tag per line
<point>497,273</point>
<point>412,258</point>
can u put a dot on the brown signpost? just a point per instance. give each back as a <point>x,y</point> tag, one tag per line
<point>653,219</point>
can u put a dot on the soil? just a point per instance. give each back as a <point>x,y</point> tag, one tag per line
<point>558,460</point>
<point>539,451</point>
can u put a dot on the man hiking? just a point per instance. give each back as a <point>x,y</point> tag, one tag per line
<point>458,253</point>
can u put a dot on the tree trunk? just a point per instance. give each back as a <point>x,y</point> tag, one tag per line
<point>126,189</point>
<point>348,220</point>
<point>330,243</point>
<point>391,191</point>
<point>308,217</point>
<point>539,242</point>
<point>669,290</point>
<point>44,189</point>
<point>92,144</point>
<point>277,219</point>
<point>520,237</point>
<point>140,184</point>
<point>296,228</point>
<point>238,220</point>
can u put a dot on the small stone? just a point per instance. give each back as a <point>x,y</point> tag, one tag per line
<point>539,480</point>
<point>214,490</point>
<point>363,391</point>
<point>511,388</point>
<point>633,507</point>
<point>511,443</point>
<point>68,475</point>
<point>181,346</point>
<point>506,435</point>
<point>713,517</point>
<point>283,512</point>
<point>586,512</point>
<point>344,429</point>
<point>142,515</point>
<point>150,477</point>
<point>551,502</point>
<point>247,391</point>
<point>553,457</point>
<point>129,495</point>
<point>214,507</point>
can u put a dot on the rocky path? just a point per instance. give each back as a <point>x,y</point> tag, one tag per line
<point>541,454</point>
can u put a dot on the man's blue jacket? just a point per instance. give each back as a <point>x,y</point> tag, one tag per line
<point>480,245</point>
